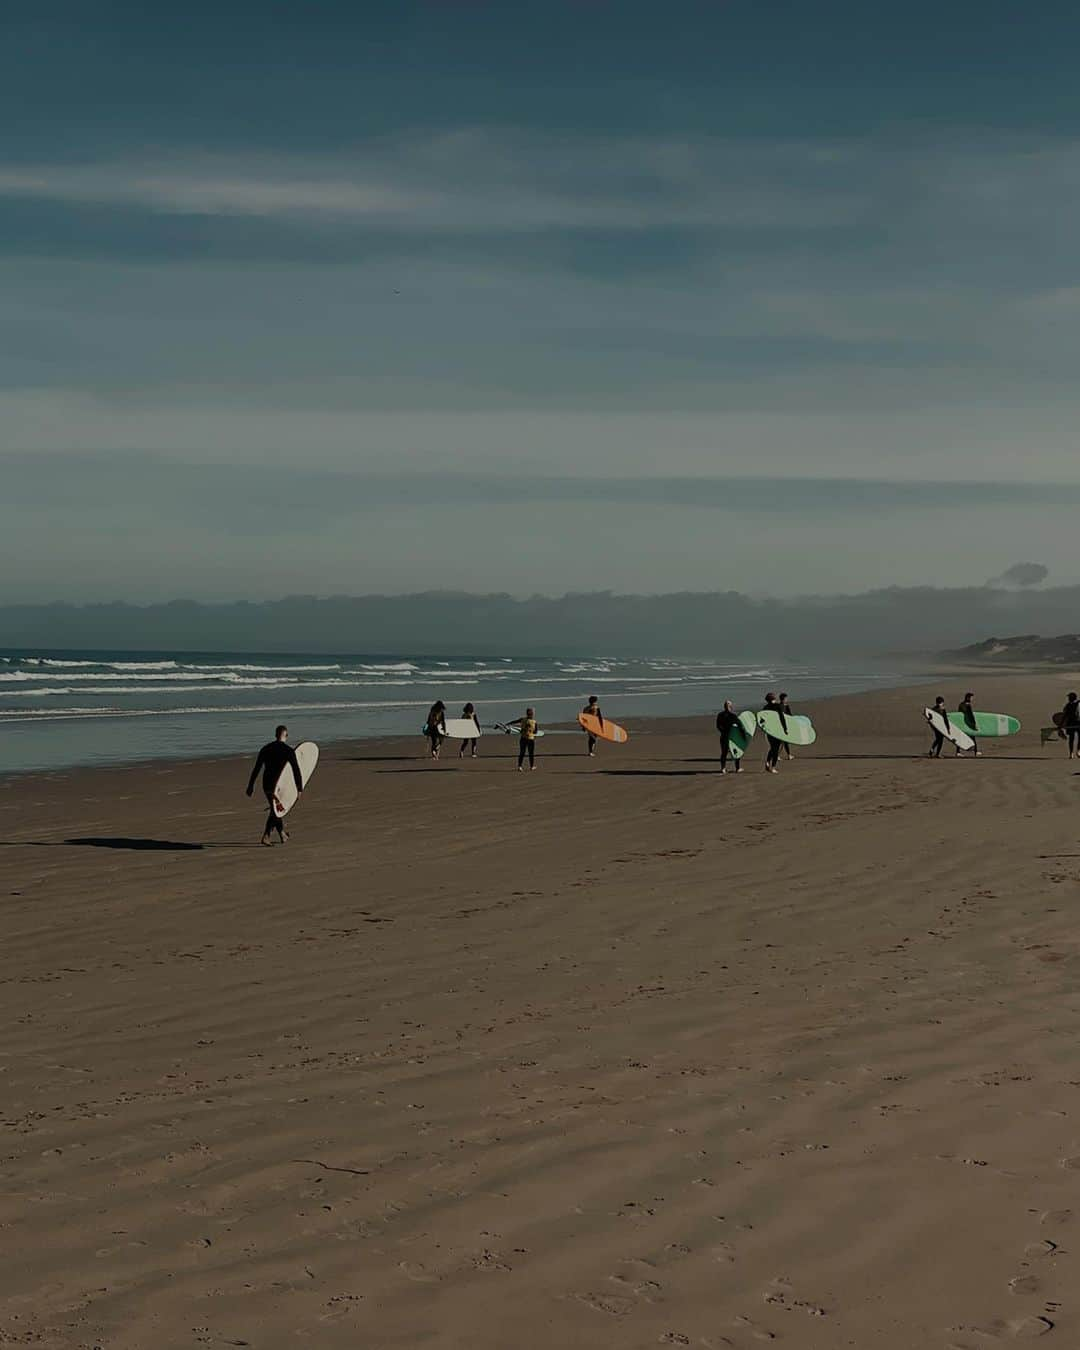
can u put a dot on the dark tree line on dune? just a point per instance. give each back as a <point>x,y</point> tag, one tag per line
<point>893,620</point>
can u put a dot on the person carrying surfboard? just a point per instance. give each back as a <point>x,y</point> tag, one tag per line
<point>435,727</point>
<point>939,736</point>
<point>527,729</point>
<point>272,759</point>
<point>592,709</point>
<point>469,714</point>
<point>784,708</point>
<point>772,759</point>
<point>1070,723</point>
<point>726,721</point>
<point>966,709</point>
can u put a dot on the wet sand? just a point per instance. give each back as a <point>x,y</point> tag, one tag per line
<point>620,1053</point>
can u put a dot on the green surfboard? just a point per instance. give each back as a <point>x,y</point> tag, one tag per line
<point>986,724</point>
<point>742,735</point>
<point>799,730</point>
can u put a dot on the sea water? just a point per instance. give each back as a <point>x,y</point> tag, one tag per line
<point>59,709</point>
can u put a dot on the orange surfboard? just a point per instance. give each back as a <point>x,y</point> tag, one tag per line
<point>606,730</point>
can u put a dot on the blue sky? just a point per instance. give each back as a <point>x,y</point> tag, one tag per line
<point>339,297</point>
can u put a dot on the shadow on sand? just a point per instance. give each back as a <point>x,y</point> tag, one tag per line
<point>656,773</point>
<point>122,842</point>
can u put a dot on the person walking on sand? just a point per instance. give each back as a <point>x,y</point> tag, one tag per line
<point>939,736</point>
<point>592,709</point>
<point>726,722</point>
<point>1070,724</point>
<point>772,759</point>
<point>966,710</point>
<point>469,714</point>
<point>435,727</point>
<point>527,729</point>
<point>272,759</point>
<point>785,713</point>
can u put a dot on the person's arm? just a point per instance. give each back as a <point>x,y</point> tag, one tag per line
<point>255,773</point>
<point>295,765</point>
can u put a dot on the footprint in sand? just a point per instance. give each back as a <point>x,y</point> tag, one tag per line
<point>1024,1284</point>
<point>1057,1217</point>
<point>647,1290</point>
<point>611,1304</point>
<point>758,1332</point>
<point>1026,1328</point>
<point>421,1274</point>
<point>1019,1328</point>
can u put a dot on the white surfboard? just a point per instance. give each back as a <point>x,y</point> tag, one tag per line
<point>957,735</point>
<point>462,728</point>
<point>285,794</point>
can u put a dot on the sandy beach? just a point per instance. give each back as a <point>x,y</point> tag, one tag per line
<point>620,1053</point>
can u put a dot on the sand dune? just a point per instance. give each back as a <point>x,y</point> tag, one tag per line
<point>617,1054</point>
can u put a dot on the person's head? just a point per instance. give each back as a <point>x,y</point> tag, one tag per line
<point>969,697</point>
<point>468,709</point>
<point>530,712</point>
<point>593,700</point>
<point>1072,698</point>
<point>281,733</point>
<point>770,698</point>
<point>783,698</point>
<point>939,702</point>
<point>439,705</point>
<point>728,705</point>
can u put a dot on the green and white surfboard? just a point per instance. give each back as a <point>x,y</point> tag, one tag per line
<point>986,724</point>
<point>743,734</point>
<point>798,731</point>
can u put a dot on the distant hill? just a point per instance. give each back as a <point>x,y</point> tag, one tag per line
<point>1024,650</point>
<point>918,620</point>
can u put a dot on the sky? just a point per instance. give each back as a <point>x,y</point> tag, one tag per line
<point>340,297</point>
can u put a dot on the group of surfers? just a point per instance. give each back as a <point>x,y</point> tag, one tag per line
<point>277,754</point>
<point>527,728</point>
<point>727,720</point>
<point>1067,723</point>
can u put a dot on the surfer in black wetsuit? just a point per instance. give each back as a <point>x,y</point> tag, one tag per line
<point>435,727</point>
<point>592,709</point>
<point>773,757</point>
<point>726,721</point>
<point>272,759</point>
<point>785,712</point>
<point>966,710</point>
<point>469,714</point>
<point>1070,724</point>
<point>939,736</point>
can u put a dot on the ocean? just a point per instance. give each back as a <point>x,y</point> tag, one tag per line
<point>62,709</point>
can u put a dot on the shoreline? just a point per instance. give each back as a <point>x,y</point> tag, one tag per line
<point>614,1055</point>
<point>648,724</point>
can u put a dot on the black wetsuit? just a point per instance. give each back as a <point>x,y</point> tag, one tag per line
<point>785,712</point>
<point>968,714</point>
<point>471,746</point>
<point>1070,724</point>
<point>435,729</point>
<point>593,711</point>
<point>726,722</point>
<point>273,758</point>
<point>773,757</point>
<point>939,736</point>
